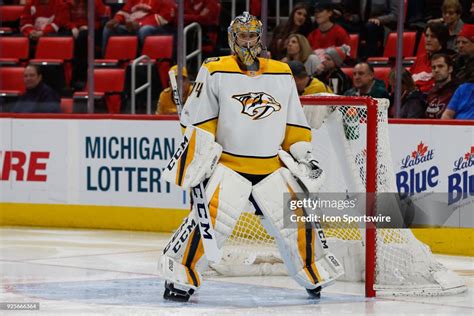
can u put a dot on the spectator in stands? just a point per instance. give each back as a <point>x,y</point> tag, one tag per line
<point>207,14</point>
<point>39,97</point>
<point>298,49</point>
<point>365,83</point>
<point>331,73</point>
<point>461,105</point>
<point>343,10</point>
<point>347,15</point>
<point>328,34</point>
<point>413,101</point>
<point>452,11</point>
<point>299,22</point>
<point>439,96</point>
<point>204,12</point>
<point>436,41</point>
<point>465,56</point>
<point>378,17</point>
<point>43,17</point>
<point>141,17</point>
<point>166,104</point>
<point>306,84</point>
<point>77,24</point>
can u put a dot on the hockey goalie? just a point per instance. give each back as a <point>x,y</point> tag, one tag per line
<point>246,143</point>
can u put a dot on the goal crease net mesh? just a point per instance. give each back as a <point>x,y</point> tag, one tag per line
<point>403,264</point>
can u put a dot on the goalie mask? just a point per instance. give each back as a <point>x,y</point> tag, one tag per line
<point>245,38</point>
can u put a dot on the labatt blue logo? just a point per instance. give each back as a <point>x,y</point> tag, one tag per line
<point>410,182</point>
<point>460,182</point>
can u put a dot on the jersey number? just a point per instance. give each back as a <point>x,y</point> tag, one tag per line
<point>197,86</point>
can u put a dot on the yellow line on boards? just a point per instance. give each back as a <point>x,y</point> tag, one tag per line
<point>452,241</point>
<point>91,216</point>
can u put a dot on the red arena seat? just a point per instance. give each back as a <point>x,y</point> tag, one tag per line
<point>10,16</point>
<point>11,80</point>
<point>354,44</point>
<point>160,49</point>
<point>390,51</point>
<point>13,50</point>
<point>108,82</point>
<point>348,71</point>
<point>382,74</point>
<point>52,52</point>
<point>120,49</point>
<point>66,105</point>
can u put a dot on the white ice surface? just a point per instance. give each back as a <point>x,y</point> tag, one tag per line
<point>115,273</point>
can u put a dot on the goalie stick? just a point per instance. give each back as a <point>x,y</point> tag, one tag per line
<point>198,194</point>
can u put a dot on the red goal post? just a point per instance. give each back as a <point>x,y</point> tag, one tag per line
<point>371,172</point>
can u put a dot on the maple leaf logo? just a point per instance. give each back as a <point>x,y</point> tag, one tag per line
<point>468,155</point>
<point>414,154</point>
<point>422,149</point>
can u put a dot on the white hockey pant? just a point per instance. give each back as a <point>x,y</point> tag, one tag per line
<point>183,259</point>
<point>304,249</point>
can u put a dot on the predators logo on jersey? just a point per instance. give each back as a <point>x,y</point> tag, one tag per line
<point>257,105</point>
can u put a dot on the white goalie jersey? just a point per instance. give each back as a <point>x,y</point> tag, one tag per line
<point>250,116</point>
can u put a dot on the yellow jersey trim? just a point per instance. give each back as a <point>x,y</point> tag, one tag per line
<point>251,165</point>
<point>294,134</point>
<point>208,125</point>
<point>229,64</point>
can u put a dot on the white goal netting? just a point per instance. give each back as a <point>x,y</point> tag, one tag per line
<point>403,265</point>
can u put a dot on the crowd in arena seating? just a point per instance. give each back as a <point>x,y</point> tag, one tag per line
<point>432,74</point>
<point>345,46</point>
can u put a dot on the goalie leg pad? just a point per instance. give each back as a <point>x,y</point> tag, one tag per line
<point>183,259</point>
<point>194,160</point>
<point>304,250</point>
<point>227,193</point>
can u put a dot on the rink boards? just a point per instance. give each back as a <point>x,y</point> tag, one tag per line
<point>105,172</point>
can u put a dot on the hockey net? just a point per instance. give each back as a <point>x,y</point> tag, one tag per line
<point>354,132</point>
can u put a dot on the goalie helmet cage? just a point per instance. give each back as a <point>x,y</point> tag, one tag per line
<point>395,262</point>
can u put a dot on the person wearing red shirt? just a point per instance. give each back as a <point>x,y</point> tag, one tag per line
<point>328,34</point>
<point>42,17</point>
<point>207,14</point>
<point>204,12</point>
<point>436,37</point>
<point>438,98</point>
<point>77,25</point>
<point>141,17</point>
<point>77,18</point>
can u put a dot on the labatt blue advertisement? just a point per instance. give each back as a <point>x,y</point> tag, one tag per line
<point>435,173</point>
